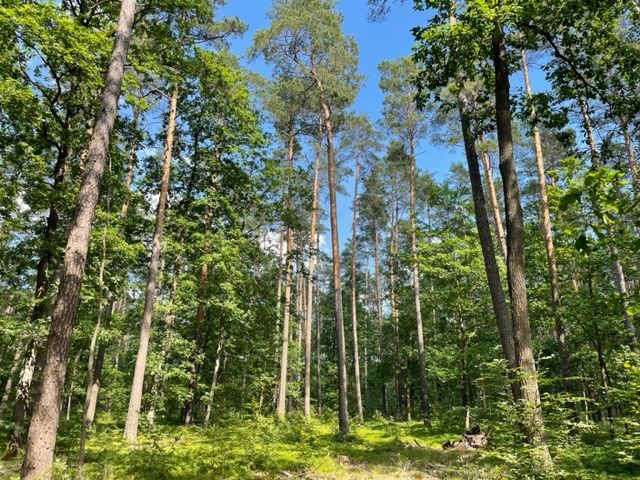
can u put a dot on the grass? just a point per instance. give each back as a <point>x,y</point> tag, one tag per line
<point>259,447</point>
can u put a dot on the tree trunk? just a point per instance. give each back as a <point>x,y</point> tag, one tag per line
<point>41,307</point>
<point>284,353</point>
<point>394,309</point>
<point>618,271</point>
<point>631,157</point>
<point>6,391</point>
<point>44,424</point>
<point>354,300</point>
<point>131,167</point>
<point>214,380</point>
<point>503,319</point>
<point>309,313</point>
<point>493,198</point>
<point>424,396</point>
<point>533,424</point>
<point>195,364</point>
<point>343,412</point>
<point>135,399</point>
<point>318,332</point>
<point>376,267</point>
<point>547,236</point>
<point>168,319</point>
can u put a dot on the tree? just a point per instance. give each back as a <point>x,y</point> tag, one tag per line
<point>405,121</point>
<point>44,424</point>
<point>306,38</point>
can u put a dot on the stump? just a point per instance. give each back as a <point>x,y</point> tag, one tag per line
<point>471,440</point>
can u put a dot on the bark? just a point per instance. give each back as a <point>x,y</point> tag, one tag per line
<point>44,424</point>
<point>21,404</point>
<point>503,318</point>
<point>618,270</point>
<point>91,400</point>
<point>495,206</point>
<point>41,290</point>
<point>284,353</point>
<point>214,380</point>
<point>318,332</point>
<point>424,395</point>
<point>6,391</point>
<point>343,412</point>
<point>533,423</point>
<point>312,259</point>
<point>168,319</point>
<point>135,398</point>
<point>547,237</point>
<point>195,364</point>
<point>71,384</point>
<point>376,266</point>
<point>354,300</point>
<point>631,157</point>
<point>394,309</point>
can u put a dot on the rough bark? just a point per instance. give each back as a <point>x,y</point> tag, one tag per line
<point>424,395</point>
<point>533,422</point>
<point>618,270</point>
<point>284,353</point>
<point>214,379</point>
<point>44,424</point>
<point>376,267</point>
<point>318,331</point>
<point>500,310</point>
<point>354,300</point>
<point>195,363</point>
<point>631,157</point>
<point>495,206</point>
<point>135,398</point>
<point>547,237</point>
<point>343,412</point>
<point>309,313</point>
<point>6,391</point>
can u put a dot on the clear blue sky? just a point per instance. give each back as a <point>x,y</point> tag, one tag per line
<point>385,40</point>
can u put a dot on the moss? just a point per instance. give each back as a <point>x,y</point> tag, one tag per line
<point>259,447</point>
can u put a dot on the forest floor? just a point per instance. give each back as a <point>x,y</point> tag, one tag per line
<point>257,447</point>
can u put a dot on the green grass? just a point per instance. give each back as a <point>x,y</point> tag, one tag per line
<point>258,447</point>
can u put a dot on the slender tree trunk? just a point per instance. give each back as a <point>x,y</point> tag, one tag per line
<point>534,423</point>
<point>74,364</point>
<point>343,412</point>
<point>195,364</point>
<point>394,309</point>
<point>131,167</point>
<point>618,271</point>
<point>318,332</point>
<point>376,267</point>
<point>366,336</point>
<point>312,259</point>
<point>500,310</point>
<point>41,307</point>
<point>284,353</point>
<point>168,319</point>
<point>6,391</point>
<point>547,236</point>
<point>631,157</point>
<point>135,399</point>
<point>214,380</point>
<point>354,300</point>
<point>495,206</point>
<point>424,395</point>
<point>44,424</point>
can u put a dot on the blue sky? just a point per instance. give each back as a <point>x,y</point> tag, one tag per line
<point>385,40</point>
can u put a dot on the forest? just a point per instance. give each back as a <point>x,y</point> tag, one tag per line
<point>217,265</point>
